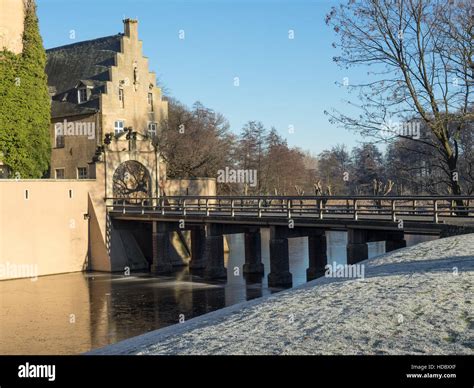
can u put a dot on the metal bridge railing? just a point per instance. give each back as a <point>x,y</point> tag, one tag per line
<point>426,208</point>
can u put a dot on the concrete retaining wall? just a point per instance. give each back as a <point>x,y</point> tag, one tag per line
<point>42,227</point>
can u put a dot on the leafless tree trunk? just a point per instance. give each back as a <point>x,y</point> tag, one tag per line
<point>420,56</point>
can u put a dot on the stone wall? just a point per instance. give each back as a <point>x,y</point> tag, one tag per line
<point>197,186</point>
<point>132,75</point>
<point>78,150</point>
<point>120,151</point>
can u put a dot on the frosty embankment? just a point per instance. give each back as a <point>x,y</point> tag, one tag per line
<point>417,300</point>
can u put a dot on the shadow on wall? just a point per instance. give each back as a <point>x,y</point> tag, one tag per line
<point>130,246</point>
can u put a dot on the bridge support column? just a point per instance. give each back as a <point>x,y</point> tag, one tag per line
<point>279,275</point>
<point>395,240</point>
<point>317,252</point>
<point>214,253</point>
<point>357,249</point>
<point>253,252</point>
<point>161,249</point>
<point>198,242</point>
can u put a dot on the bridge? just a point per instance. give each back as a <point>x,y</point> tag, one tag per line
<point>364,218</point>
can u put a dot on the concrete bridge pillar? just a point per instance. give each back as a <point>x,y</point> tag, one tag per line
<point>279,275</point>
<point>161,249</point>
<point>214,253</point>
<point>395,240</point>
<point>357,249</point>
<point>198,242</point>
<point>253,252</point>
<point>317,252</point>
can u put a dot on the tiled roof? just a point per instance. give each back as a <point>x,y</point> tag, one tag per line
<point>65,109</point>
<point>87,62</point>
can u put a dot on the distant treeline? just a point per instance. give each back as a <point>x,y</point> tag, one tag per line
<point>197,142</point>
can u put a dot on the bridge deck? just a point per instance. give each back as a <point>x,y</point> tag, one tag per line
<point>414,214</point>
<point>366,219</point>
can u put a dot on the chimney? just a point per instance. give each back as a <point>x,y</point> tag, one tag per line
<point>131,28</point>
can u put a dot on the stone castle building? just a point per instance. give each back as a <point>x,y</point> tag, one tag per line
<point>99,88</point>
<point>105,108</point>
<point>12,18</point>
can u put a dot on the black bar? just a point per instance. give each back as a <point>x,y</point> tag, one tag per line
<point>324,371</point>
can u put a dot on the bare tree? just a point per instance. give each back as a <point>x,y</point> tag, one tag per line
<point>251,150</point>
<point>334,169</point>
<point>194,142</point>
<point>382,189</point>
<point>283,169</point>
<point>367,162</point>
<point>420,56</point>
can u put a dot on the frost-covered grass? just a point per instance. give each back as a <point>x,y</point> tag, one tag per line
<point>417,300</point>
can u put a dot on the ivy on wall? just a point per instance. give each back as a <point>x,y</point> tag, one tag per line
<point>25,104</point>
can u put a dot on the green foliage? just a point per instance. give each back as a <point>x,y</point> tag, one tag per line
<point>25,105</point>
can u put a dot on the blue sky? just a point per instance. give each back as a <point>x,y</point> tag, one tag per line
<point>283,81</point>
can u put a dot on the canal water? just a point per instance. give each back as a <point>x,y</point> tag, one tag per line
<point>74,313</point>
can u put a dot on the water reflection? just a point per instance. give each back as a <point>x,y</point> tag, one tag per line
<point>73,313</point>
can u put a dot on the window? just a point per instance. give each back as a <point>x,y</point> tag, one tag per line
<point>152,129</point>
<point>82,95</point>
<point>59,135</point>
<point>59,141</point>
<point>81,173</point>
<point>59,173</point>
<point>118,126</point>
<point>122,98</point>
<point>150,101</point>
